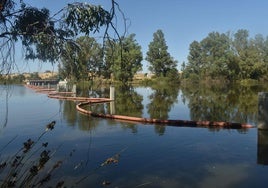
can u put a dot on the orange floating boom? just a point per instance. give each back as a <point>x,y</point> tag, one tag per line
<point>189,123</point>
<point>88,101</point>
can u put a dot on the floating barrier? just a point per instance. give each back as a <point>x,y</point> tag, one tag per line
<point>188,123</point>
<point>84,101</point>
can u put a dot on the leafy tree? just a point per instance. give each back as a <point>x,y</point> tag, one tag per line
<point>240,41</point>
<point>160,60</point>
<point>241,45</point>
<point>251,55</point>
<point>162,100</point>
<point>34,76</point>
<point>123,58</point>
<point>211,57</point>
<point>44,36</point>
<point>128,101</point>
<point>216,54</point>
<point>253,65</point>
<point>84,61</point>
<point>219,56</point>
<point>194,66</point>
<point>18,78</point>
<point>68,67</point>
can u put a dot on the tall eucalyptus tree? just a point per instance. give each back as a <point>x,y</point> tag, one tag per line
<point>42,35</point>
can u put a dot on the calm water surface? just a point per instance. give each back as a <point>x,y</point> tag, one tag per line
<point>148,155</point>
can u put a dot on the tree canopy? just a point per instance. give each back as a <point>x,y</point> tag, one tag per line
<point>229,57</point>
<point>160,60</point>
<point>123,58</point>
<point>82,62</point>
<point>53,37</point>
<point>44,36</point>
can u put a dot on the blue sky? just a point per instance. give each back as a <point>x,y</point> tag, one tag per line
<point>182,21</point>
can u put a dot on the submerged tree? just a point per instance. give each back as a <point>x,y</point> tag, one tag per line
<point>160,60</point>
<point>44,36</point>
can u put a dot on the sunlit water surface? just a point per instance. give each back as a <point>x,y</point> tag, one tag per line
<point>148,155</point>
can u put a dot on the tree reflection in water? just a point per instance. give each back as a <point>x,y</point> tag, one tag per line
<point>231,103</point>
<point>162,100</point>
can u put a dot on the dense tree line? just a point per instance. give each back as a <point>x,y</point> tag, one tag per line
<point>66,36</point>
<point>118,60</point>
<point>228,57</point>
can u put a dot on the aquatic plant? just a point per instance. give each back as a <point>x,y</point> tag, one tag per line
<point>24,169</point>
<point>32,164</point>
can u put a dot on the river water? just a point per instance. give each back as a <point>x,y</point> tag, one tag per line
<point>93,152</point>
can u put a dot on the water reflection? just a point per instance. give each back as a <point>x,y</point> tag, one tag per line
<point>226,103</point>
<point>262,147</point>
<point>161,101</point>
<point>180,157</point>
<point>6,91</point>
<point>127,102</point>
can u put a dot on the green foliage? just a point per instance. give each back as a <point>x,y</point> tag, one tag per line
<point>6,8</point>
<point>86,18</point>
<point>38,34</point>
<point>162,99</point>
<point>123,58</point>
<point>82,61</point>
<point>160,60</point>
<point>44,36</point>
<point>18,79</point>
<point>215,102</point>
<point>15,79</point>
<point>219,56</point>
<point>34,76</point>
<point>173,76</point>
<point>128,101</point>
